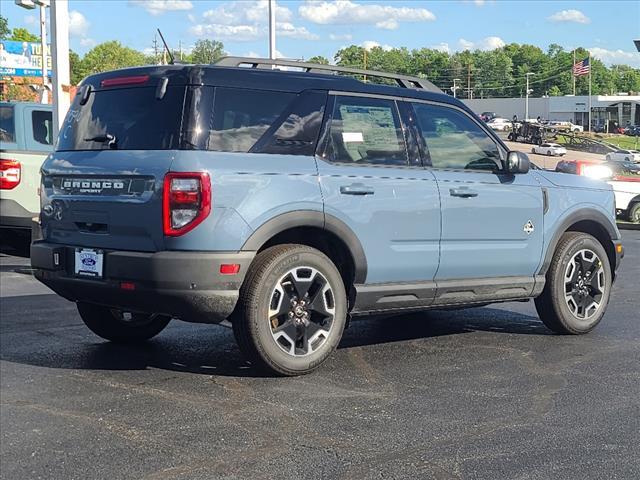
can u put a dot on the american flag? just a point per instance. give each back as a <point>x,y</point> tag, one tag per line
<point>581,68</point>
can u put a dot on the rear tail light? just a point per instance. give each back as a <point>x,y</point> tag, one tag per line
<point>10,172</point>
<point>186,201</point>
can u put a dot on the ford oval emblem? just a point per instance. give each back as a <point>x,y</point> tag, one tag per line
<point>88,262</point>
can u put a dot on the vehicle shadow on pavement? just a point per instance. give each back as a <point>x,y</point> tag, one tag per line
<point>209,350</point>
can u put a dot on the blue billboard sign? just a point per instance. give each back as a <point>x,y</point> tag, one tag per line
<point>22,59</point>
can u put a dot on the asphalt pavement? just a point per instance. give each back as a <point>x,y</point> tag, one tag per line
<point>482,393</point>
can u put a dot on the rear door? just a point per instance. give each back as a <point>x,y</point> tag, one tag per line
<point>103,184</point>
<point>492,222</point>
<point>372,179</point>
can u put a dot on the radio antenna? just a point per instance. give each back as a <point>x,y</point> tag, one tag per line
<point>171,59</point>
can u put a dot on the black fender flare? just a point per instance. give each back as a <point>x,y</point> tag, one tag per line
<point>575,217</point>
<point>311,218</point>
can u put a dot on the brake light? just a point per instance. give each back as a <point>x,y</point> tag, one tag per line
<point>10,173</point>
<point>186,201</point>
<point>133,80</point>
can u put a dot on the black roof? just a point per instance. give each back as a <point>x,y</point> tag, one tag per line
<point>262,79</point>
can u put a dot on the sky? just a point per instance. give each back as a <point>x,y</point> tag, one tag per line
<point>317,27</point>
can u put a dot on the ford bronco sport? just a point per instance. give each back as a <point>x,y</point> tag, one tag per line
<point>285,202</point>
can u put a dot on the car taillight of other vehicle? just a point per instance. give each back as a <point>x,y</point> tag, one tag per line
<point>10,172</point>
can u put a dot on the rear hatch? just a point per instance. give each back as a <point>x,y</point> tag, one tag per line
<point>102,187</point>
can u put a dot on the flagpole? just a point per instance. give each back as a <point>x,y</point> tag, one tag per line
<point>573,73</point>
<point>590,68</point>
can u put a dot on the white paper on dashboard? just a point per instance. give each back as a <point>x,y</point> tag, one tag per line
<point>350,137</point>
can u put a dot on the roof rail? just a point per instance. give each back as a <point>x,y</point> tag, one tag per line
<point>403,81</point>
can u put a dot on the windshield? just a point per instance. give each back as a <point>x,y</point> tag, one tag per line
<point>124,119</point>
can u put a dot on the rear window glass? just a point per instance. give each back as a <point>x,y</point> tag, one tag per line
<point>42,126</point>
<point>7,126</point>
<point>124,119</point>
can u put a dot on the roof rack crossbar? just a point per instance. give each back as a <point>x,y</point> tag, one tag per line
<point>403,81</point>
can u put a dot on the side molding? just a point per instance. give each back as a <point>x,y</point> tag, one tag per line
<point>311,218</point>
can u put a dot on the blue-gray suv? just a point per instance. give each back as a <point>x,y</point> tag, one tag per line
<point>286,202</point>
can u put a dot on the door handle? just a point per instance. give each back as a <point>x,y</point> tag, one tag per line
<point>356,189</point>
<point>463,192</point>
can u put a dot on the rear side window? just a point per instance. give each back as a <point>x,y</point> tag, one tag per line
<point>455,141</point>
<point>41,125</point>
<point>124,119</point>
<point>241,117</point>
<point>7,125</point>
<point>366,131</point>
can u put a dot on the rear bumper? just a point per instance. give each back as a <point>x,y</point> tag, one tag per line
<point>185,285</point>
<point>14,215</point>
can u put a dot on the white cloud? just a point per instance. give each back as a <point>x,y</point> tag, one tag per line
<point>390,24</point>
<point>88,42</point>
<point>573,16</point>
<point>337,36</point>
<point>286,29</point>
<point>78,24</point>
<point>347,12</point>
<point>369,44</point>
<point>247,21</point>
<point>487,43</point>
<point>616,57</point>
<point>158,7</point>
<point>30,20</point>
<point>441,47</point>
<point>240,33</point>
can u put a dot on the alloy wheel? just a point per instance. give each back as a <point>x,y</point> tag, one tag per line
<point>301,311</point>
<point>584,284</point>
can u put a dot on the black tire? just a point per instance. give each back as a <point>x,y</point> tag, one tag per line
<point>256,331</point>
<point>552,306</point>
<point>115,326</point>
<point>634,213</point>
<point>511,137</point>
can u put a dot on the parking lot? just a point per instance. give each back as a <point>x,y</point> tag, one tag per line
<point>480,393</point>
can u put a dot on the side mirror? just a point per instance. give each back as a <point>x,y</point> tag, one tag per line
<point>517,162</point>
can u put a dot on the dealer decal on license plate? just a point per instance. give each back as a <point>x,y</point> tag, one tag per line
<point>88,262</point>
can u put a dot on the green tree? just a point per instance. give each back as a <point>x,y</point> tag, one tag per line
<point>207,51</point>
<point>319,59</point>
<point>23,35</point>
<point>109,56</point>
<point>77,67</point>
<point>4,28</point>
<point>555,91</point>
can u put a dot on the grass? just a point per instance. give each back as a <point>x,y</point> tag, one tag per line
<point>621,141</point>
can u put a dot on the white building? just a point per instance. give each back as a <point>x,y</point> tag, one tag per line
<point>623,109</point>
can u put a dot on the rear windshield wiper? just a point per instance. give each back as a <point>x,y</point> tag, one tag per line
<point>105,137</point>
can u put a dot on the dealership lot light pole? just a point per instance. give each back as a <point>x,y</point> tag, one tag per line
<point>526,101</point>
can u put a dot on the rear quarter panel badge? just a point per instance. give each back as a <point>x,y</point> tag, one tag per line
<point>528,227</point>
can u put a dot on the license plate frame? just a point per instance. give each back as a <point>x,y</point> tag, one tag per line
<point>89,263</point>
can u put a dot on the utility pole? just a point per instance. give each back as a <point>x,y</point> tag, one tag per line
<point>180,48</point>
<point>60,55</point>
<point>455,86</point>
<point>469,92</point>
<point>272,29</point>
<point>573,75</point>
<point>364,54</point>
<point>44,96</point>
<point>526,102</point>
<point>155,47</point>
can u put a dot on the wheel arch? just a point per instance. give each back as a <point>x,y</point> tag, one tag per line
<point>589,221</point>
<point>318,230</point>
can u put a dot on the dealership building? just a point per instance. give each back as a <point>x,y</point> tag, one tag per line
<point>622,110</point>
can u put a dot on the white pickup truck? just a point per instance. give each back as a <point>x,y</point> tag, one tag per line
<point>26,131</point>
<point>627,199</point>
